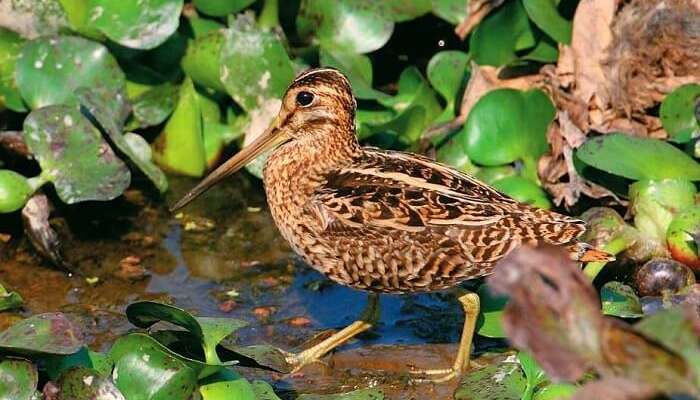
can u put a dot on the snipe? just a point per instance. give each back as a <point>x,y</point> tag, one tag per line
<point>384,221</point>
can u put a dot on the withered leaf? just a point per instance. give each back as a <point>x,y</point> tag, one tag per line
<point>35,216</point>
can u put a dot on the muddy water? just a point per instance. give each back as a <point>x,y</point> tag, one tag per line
<point>223,256</point>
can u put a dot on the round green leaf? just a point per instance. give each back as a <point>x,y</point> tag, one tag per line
<point>138,359</point>
<point>18,379</point>
<point>447,71</point>
<point>524,190</point>
<point>496,39</point>
<point>452,11</point>
<point>679,115</point>
<point>453,154</point>
<point>545,15</point>
<point>73,155</point>
<point>506,125</point>
<point>15,190</point>
<point>220,8</point>
<point>154,106</point>
<point>357,67</point>
<point>620,300</point>
<point>42,334</point>
<point>254,66</point>
<point>201,62</point>
<point>49,70</point>
<point>638,158</point>
<point>404,10</point>
<point>358,26</point>
<point>227,385</point>
<point>80,383</point>
<point>139,24</point>
<point>10,48</point>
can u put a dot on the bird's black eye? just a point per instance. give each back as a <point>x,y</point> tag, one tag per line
<point>304,99</point>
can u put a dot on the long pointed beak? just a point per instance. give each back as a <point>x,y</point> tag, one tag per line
<point>267,140</point>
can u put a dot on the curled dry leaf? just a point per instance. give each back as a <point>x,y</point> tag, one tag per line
<point>13,142</point>
<point>35,216</point>
<point>554,314</point>
<point>477,10</point>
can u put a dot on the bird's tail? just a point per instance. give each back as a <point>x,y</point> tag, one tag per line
<point>584,252</point>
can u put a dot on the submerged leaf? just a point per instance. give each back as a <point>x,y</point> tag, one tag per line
<point>73,155</point>
<point>50,70</point>
<point>361,394</point>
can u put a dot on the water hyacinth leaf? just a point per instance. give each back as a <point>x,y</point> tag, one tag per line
<point>407,126</point>
<point>74,156</point>
<point>489,323</point>
<point>545,15</point>
<point>360,394</point>
<point>656,203</point>
<point>545,51</point>
<point>257,356</point>
<point>620,300</point>
<point>78,15</point>
<point>453,154</point>
<point>138,358</point>
<point>357,67</point>
<point>10,47</point>
<point>138,24</point>
<point>263,390</point>
<point>446,71</point>
<point>221,8</point>
<point>506,125</point>
<point>225,385</point>
<point>49,70</point>
<point>112,117</point>
<point>9,300</point>
<point>180,147</point>
<point>187,348</point>
<point>15,190</point>
<point>214,330</point>
<point>146,313</point>
<point>524,190</point>
<point>502,381</point>
<point>638,158</point>
<point>413,90</point>
<point>679,115</point>
<point>18,379</point>
<point>153,106</point>
<point>42,334</point>
<point>201,61</point>
<point>203,26</point>
<point>356,26</point>
<point>254,66</point>
<point>496,39</point>
<point>556,391</point>
<point>101,363</point>
<point>405,10</point>
<point>80,383</point>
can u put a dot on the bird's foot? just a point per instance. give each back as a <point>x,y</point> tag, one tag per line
<point>435,375</point>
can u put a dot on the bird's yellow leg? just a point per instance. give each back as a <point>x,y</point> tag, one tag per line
<point>470,304</point>
<point>367,320</point>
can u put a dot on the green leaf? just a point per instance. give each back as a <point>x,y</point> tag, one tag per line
<point>112,119</point>
<point>15,190</point>
<point>534,375</point>
<point>50,70</point>
<point>361,394</point>
<point>180,147</point>
<point>18,379</point>
<point>490,323</point>
<point>214,330</point>
<point>557,391</point>
<point>506,125</point>
<point>221,8</point>
<point>8,300</point>
<point>154,106</point>
<point>357,67</point>
<point>524,190</point>
<point>503,381</point>
<point>656,203</point>
<point>80,383</point>
<point>263,391</point>
<point>453,154</point>
<point>138,24</point>
<point>227,385</point>
<point>73,155</point>
<point>638,158</point>
<point>201,61</point>
<point>545,15</point>
<point>452,11</point>
<point>447,71</point>
<point>496,39</point>
<point>10,47</point>
<point>404,10</point>
<point>679,115</point>
<point>138,358</point>
<point>42,334</point>
<point>254,65</point>
<point>620,300</point>
<point>358,26</point>
<point>86,358</point>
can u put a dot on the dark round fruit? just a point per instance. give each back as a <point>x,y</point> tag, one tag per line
<point>662,275</point>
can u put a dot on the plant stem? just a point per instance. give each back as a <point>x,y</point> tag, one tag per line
<point>614,247</point>
<point>269,16</point>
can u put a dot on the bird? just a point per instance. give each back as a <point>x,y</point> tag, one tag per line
<point>384,221</point>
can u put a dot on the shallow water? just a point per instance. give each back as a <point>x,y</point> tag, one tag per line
<point>223,257</point>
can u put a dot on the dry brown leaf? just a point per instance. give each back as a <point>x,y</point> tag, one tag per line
<point>35,217</point>
<point>477,10</point>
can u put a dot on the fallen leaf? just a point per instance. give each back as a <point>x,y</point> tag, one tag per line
<point>130,269</point>
<point>35,217</point>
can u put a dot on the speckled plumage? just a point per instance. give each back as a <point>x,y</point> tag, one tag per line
<point>389,221</point>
